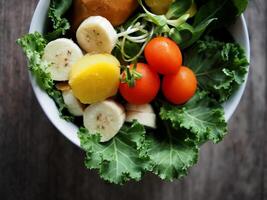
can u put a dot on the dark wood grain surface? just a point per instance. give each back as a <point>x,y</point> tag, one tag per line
<point>37,162</point>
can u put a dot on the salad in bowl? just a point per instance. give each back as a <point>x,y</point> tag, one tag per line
<point>138,85</point>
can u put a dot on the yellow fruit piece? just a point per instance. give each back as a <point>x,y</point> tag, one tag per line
<point>95,78</point>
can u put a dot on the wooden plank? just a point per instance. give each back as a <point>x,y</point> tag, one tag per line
<point>36,162</point>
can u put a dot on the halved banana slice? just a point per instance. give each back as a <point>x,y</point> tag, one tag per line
<point>73,105</point>
<point>61,53</point>
<point>145,108</point>
<point>144,114</point>
<point>106,118</point>
<point>146,119</point>
<point>96,35</point>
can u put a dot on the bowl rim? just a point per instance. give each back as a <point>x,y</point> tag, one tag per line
<point>67,128</point>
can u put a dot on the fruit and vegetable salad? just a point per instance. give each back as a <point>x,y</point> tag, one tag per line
<point>143,80</point>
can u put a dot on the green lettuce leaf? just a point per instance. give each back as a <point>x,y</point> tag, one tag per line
<point>202,116</point>
<point>171,153</point>
<point>220,67</point>
<point>186,35</point>
<point>122,159</point>
<point>33,46</point>
<point>225,11</point>
<point>60,24</point>
<point>178,8</point>
<point>211,14</point>
<point>240,5</point>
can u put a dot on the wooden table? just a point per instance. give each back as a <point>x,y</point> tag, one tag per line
<point>37,162</point>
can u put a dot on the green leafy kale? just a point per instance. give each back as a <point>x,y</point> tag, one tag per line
<point>173,148</point>
<point>121,159</point>
<point>202,117</point>
<point>132,152</point>
<point>220,67</point>
<point>171,154</point>
<point>56,12</point>
<point>33,46</point>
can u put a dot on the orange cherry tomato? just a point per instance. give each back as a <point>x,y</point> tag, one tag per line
<point>145,89</point>
<point>163,55</point>
<point>180,87</point>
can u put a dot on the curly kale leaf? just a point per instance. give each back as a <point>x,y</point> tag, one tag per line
<point>202,117</point>
<point>56,11</point>
<point>171,153</point>
<point>220,67</point>
<point>121,159</point>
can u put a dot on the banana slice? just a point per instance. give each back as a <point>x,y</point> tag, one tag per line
<point>96,35</point>
<point>144,114</point>
<point>146,108</point>
<point>73,105</point>
<point>146,119</point>
<point>106,118</point>
<point>61,53</point>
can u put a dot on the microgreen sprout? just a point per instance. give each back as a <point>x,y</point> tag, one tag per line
<point>136,33</point>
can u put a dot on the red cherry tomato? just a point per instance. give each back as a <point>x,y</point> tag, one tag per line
<point>145,89</point>
<point>180,87</point>
<point>163,55</point>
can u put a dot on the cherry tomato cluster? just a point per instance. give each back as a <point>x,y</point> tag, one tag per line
<point>164,57</point>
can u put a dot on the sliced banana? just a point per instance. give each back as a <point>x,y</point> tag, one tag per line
<point>61,53</point>
<point>73,105</point>
<point>96,35</point>
<point>145,108</point>
<point>106,118</point>
<point>144,114</point>
<point>146,119</point>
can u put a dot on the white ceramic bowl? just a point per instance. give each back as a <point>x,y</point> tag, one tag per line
<point>239,31</point>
